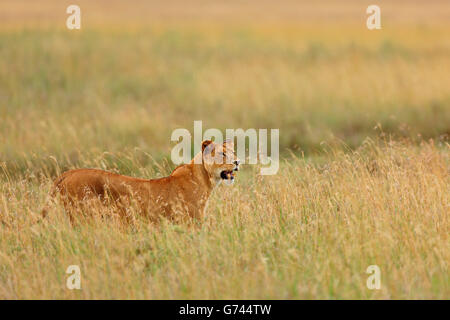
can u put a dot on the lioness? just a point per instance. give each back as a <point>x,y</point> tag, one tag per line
<point>184,193</point>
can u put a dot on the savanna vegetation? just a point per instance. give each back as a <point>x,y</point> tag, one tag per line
<point>364,118</point>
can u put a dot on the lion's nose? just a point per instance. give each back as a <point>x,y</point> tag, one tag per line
<point>236,162</point>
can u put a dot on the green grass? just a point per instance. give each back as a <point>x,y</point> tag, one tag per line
<point>108,91</point>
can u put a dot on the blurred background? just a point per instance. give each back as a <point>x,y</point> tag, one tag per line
<point>137,70</point>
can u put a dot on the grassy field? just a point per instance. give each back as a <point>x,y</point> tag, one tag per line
<point>364,119</point>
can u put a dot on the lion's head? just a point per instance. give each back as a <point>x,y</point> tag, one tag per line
<point>220,161</point>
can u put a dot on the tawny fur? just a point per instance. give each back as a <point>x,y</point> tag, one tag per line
<point>184,193</point>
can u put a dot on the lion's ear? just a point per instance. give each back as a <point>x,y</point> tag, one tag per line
<point>205,144</point>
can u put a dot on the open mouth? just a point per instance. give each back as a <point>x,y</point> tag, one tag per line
<point>227,175</point>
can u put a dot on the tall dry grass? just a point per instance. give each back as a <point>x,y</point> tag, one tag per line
<point>309,232</point>
<point>113,86</point>
<point>110,95</point>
